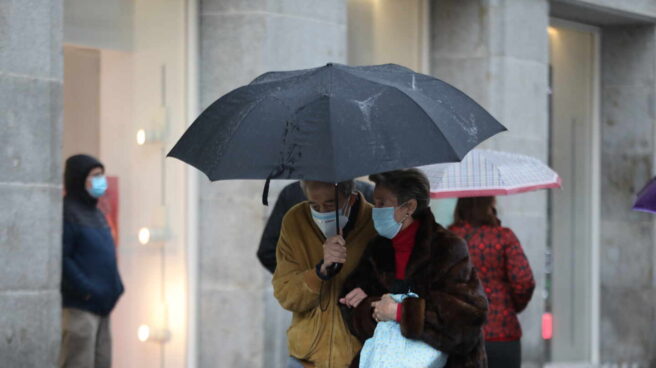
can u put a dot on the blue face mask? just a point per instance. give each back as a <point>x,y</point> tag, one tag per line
<point>384,222</point>
<point>98,186</point>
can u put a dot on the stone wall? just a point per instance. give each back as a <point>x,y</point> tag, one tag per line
<point>238,41</point>
<point>628,251</point>
<point>30,182</point>
<point>497,52</point>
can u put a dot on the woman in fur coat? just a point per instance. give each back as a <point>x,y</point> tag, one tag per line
<point>415,254</point>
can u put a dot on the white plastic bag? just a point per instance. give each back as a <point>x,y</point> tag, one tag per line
<point>388,348</point>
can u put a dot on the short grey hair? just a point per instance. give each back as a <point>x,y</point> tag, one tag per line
<point>345,188</point>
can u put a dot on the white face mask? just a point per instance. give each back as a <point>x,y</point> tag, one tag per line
<point>326,221</point>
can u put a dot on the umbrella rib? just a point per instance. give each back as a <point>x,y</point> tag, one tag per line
<point>330,126</point>
<point>431,120</point>
<point>396,88</point>
<point>239,123</point>
<point>261,100</point>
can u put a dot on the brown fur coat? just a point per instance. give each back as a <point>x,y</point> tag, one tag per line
<point>451,309</point>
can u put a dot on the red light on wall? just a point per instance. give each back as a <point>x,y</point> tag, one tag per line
<point>547,326</point>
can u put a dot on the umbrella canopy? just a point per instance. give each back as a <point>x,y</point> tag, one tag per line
<point>646,200</point>
<point>334,123</point>
<point>489,173</point>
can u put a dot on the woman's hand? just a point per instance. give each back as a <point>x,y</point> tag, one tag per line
<point>385,309</point>
<point>353,298</point>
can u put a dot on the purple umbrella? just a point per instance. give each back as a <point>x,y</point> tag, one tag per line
<point>646,201</point>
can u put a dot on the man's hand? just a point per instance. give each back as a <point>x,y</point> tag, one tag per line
<point>334,251</point>
<point>385,309</point>
<point>353,298</point>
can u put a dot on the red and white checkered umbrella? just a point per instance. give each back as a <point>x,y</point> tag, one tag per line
<point>490,173</point>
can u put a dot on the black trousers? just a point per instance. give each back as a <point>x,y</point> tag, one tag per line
<point>504,354</point>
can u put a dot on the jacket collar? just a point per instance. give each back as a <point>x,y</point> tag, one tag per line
<point>382,251</point>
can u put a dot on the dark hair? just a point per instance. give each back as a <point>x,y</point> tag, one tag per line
<point>406,184</point>
<point>477,211</point>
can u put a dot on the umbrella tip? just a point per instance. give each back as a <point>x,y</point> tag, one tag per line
<point>329,64</point>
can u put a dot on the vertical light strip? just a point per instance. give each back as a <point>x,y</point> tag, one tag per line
<point>191,107</point>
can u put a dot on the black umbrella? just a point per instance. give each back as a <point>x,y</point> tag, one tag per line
<point>334,123</point>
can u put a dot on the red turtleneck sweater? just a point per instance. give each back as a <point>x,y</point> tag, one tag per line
<point>403,243</point>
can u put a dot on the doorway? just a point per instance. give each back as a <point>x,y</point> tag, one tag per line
<point>574,210</point>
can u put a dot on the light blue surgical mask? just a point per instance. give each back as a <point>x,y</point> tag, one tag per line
<point>98,186</point>
<point>326,221</point>
<point>384,222</point>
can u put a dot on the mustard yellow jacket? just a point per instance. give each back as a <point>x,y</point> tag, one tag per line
<point>317,333</point>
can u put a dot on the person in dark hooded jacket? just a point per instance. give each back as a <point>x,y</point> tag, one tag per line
<point>91,284</point>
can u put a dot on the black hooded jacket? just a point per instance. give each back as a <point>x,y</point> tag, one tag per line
<point>90,278</point>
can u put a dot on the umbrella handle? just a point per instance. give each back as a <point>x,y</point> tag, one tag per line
<point>339,231</point>
<point>336,267</point>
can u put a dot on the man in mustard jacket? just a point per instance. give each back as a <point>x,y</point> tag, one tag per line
<point>305,281</point>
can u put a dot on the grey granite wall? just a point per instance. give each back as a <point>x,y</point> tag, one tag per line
<point>240,323</point>
<point>30,181</point>
<point>628,250</point>
<point>497,52</point>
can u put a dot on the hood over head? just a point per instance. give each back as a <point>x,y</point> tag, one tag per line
<point>75,176</point>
